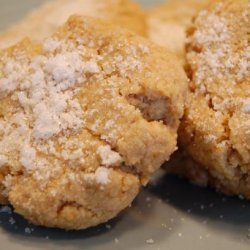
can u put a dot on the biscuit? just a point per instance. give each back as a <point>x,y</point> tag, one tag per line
<point>167,23</point>
<point>216,126</point>
<point>86,118</point>
<point>43,21</point>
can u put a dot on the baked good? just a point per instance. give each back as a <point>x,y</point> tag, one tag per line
<point>43,21</point>
<point>86,117</point>
<point>216,126</point>
<point>167,23</point>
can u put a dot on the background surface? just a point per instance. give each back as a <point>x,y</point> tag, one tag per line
<point>169,214</point>
<point>13,10</point>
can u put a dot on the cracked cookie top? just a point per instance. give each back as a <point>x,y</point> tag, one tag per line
<point>89,102</point>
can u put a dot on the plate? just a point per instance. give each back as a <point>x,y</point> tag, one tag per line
<point>169,214</point>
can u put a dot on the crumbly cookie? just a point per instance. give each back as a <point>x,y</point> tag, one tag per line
<point>86,118</point>
<point>167,23</point>
<point>216,127</point>
<point>42,22</point>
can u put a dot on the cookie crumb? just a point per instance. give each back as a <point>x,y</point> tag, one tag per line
<point>150,241</point>
<point>5,209</point>
<point>27,230</point>
<point>241,197</point>
<point>12,221</point>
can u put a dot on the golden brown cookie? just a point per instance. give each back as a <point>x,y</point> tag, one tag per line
<point>43,21</point>
<point>216,127</point>
<point>167,23</point>
<point>86,117</point>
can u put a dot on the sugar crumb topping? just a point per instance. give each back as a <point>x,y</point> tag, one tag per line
<point>108,156</point>
<point>100,176</point>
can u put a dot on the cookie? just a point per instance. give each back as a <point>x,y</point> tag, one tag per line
<point>86,118</point>
<point>167,23</point>
<point>216,127</point>
<point>43,21</point>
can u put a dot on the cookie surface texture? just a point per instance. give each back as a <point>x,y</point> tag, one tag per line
<point>43,21</point>
<point>216,127</point>
<point>86,118</point>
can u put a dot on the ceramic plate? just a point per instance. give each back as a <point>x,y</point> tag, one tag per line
<point>169,214</point>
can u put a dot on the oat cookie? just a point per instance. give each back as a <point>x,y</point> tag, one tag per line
<point>44,20</point>
<point>167,23</point>
<point>216,127</point>
<point>85,118</point>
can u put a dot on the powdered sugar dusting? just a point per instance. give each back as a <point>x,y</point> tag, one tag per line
<point>213,30</point>
<point>219,54</point>
<point>45,87</point>
<point>45,105</point>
